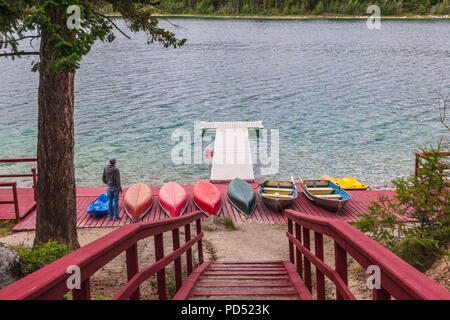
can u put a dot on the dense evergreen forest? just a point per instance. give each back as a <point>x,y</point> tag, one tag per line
<point>302,7</point>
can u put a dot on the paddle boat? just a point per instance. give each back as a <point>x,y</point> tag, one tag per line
<point>138,201</point>
<point>173,199</point>
<point>278,195</point>
<point>207,198</point>
<point>325,194</point>
<point>242,196</point>
<point>347,183</point>
<point>99,207</point>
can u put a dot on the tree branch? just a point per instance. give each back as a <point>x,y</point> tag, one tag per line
<point>22,38</point>
<point>112,22</point>
<point>19,53</point>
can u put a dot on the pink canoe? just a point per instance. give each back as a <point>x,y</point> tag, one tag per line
<point>173,199</point>
<point>207,197</point>
<point>138,201</point>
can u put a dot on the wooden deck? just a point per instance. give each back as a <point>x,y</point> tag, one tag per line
<point>26,203</point>
<point>85,196</point>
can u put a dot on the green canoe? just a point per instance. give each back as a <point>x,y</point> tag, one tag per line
<point>242,196</point>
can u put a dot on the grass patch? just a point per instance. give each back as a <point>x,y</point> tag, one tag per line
<point>229,224</point>
<point>6,227</point>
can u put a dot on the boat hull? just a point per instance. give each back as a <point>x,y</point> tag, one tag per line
<point>278,204</point>
<point>173,199</point>
<point>328,204</point>
<point>242,196</point>
<point>138,201</point>
<point>207,198</point>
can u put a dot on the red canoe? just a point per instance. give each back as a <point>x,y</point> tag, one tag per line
<point>173,199</point>
<point>207,197</point>
<point>138,201</point>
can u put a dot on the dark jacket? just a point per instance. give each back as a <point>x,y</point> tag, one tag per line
<point>111,177</point>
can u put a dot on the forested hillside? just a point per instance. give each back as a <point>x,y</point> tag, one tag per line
<point>302,7</point>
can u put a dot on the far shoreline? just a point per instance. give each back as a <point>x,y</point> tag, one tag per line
<point>299,17</point>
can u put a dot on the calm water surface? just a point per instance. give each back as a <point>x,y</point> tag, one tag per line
<point>346,100</point>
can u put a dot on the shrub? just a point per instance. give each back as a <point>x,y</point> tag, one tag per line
<point>41,255</point>
<point>424,199</point>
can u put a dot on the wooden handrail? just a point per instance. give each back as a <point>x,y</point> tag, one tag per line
<point>398,279</point>
<point>33,173</point>
<point>50,282</point>
<point>15,199</point>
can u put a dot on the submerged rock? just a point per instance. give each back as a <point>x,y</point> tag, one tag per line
<point>10,267</point>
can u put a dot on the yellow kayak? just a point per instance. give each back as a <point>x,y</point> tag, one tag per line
<point>347,183</point>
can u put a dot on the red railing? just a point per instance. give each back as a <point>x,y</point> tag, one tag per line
<point>421,155</point>
<point>33,174</point>
<point>50,282</point>
<point>397,278</point>
<point>14,201</point>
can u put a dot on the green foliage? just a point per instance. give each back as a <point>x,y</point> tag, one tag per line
<point>41,255</point>
<point>100,297</point>
<point>424,200</point>
<point>6,227</point>
<point>229,224</point>
<point>63,48</point>
<point>299,7</point>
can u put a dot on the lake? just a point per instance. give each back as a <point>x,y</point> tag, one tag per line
<point>346,100</point>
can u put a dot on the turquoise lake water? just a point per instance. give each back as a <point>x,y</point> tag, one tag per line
<point>346,100</point>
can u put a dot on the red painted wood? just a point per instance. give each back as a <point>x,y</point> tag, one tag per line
<point>239,273</point>
<point>340,262</point>
<point>303,292</point>
<point>291,247</point>
<point>263,214</point>
<point>320,279</point>
<point>161,275</point>
<point>237,292</point>
<point>84,293</point>
<point>241,284</point>
<point>177,264</point>
<point>298,256</point>
<point>326,270</point>
<point>187,237</point>
<point>190,281</point>
<point>278,262</point>
<point>146,273</point>
<point>49,282</point>
<point>133,268</point>
<point>18,160</point>
<point>198,226</point>
<point>307,263</point>
<point>236,269</point>
<point>246,277</point>
<point>398,278</point>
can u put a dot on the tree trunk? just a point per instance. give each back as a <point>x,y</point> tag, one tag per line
<point>56,190</point>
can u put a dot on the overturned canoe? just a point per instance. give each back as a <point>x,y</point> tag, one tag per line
<point>173,199</point>
<point>138,201</point>
<point>242,196</point>
<point>207,198</point>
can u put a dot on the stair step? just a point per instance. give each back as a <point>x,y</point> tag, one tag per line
<point>259,292</point>
<point>244,284</point>
<point>242,265</point>
<point>246,277</point>
<point>278,262</point>
<point>244,269</point>
<point>238,273</point>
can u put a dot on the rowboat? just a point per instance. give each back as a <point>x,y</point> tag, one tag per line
<point>207,198</point>
<point>173,199</point>
<point>138,201</point>
<point>347,183</point>
<point>277,195</point>
<point>242,196</point>
<point>325,194</point>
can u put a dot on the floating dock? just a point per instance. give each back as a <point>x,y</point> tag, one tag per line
<point>232,154</point>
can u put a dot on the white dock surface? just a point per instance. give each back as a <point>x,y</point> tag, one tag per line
<point>232,155</point>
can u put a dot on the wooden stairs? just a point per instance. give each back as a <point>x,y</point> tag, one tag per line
<point>244,281</point>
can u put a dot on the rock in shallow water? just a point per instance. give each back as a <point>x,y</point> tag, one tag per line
<point>10,267</point>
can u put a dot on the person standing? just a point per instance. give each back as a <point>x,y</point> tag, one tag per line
<point>111,177</point>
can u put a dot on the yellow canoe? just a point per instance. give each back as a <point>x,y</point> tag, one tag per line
<point>347,183</point>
